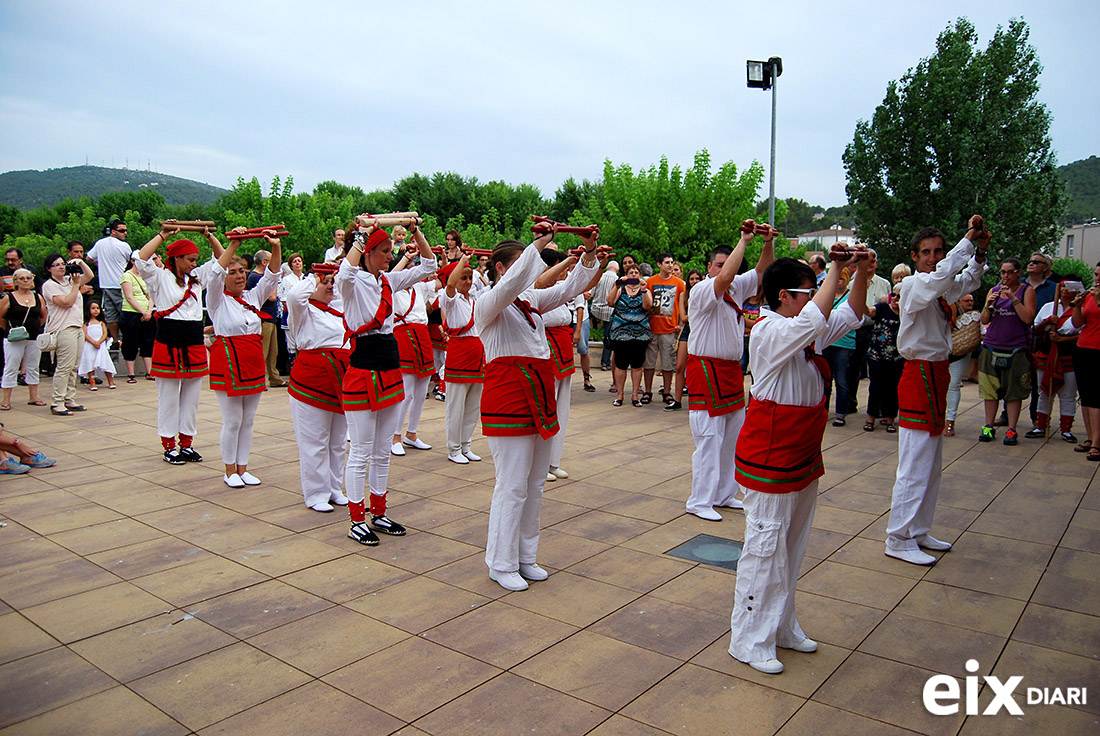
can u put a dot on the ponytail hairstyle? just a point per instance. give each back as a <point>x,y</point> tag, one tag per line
<point>505,252</point>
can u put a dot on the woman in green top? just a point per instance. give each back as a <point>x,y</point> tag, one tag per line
<point>137,324</point>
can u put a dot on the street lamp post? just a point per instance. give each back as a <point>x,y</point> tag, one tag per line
<point>762,75</point>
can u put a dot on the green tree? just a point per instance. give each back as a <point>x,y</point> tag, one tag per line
<point>960,133</point>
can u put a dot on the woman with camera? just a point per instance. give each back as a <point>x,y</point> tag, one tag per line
<point>1004,365</point>
<point>65,320</point>
<point>629,330</point>
<point>24,313</point>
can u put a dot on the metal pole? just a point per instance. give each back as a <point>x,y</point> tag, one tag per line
<point>771,196</point>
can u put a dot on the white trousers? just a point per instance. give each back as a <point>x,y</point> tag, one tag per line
<point>439,357</point>
<point>557,442</point>
<point>416,390</point>
<point>371,437</point>
<point>321,450</point>
<point>712,479</point>
<point>777,528</point>
<point>916,488</point>
<point>238,420</point>
<point>14,352</point>
<point>460,414</point>
<point>521,466</point>
<point>177,405</point>
<point>1067,396</point>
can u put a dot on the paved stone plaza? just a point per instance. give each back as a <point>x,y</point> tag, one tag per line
<point>139,597</point>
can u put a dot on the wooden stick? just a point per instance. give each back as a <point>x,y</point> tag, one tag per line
<point>843,252</point>
<point>249,236</point>
<point>543,224</point>
<point>388,221</point>
<point>188,226</point>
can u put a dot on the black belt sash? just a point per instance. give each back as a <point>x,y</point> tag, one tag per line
<point>376,352</point>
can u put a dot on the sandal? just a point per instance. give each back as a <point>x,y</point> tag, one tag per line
<point>131,379</point>
<point>588,383</point>
<point>149,378</point>
<point>36,402</point>
<point>949,428</point>
<point>1094,455</point>
<point>891,428</point>
<point>617,402</point>
<point>1084,446</point>
<point>635,402</point>
<point>612,390</point>
<point>839,422</point>
<point>5,407</point>
<point>60,412</point>
<point>869,426</point>
<point>647,397</point>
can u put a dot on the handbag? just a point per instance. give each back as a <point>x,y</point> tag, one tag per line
<point>47,342</point>
<point>966,337</point>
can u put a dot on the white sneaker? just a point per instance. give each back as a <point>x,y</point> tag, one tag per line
<point>458,458</point>
<point>912,556</point>
<point>733,503</point>
<point>249,479</point>
<point>708,514</point>
<point>806,645</point>
<point>323,507</point>
<point>558,472</point>
<point>397,449</point>
<point>233,481</point>
<point>532,571</point>
<point>338,499</point>
<point>929,542</point>
<point>471,456</point>
<point>768,666</point>
<point>550,477</point>
<point>417,443</point>
<point>508,580</point>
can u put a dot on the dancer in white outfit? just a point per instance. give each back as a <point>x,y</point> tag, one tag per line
<point>779,451</point>
<point>465,369</point>
<point>410,327</point>
<point>716,386</point>
<point>373,387</point>
<point>317,322</point>
<point>236,356</point>
<point>518,407</point>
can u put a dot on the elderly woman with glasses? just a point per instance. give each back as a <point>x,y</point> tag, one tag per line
<point>22,314</point>
<point>1004,367</point>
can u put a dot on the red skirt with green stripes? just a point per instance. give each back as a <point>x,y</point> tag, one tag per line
<point>922,395</point>
<point>237,365</point>
<point>317,378</point>
<point>465,360</point>
<point>779,448</point>
<point>367,390</point>
<point>560,340</point>
<point>415,346</point>
<point>715,385</point>
<point>519,398</point>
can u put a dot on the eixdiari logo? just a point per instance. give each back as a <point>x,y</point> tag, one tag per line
<point>941,694</point>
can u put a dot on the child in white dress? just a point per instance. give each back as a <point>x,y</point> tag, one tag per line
<point>96,359</point>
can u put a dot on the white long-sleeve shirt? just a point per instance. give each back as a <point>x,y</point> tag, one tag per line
<point>361,292</point>
<point>503,328</point>
<point>165,292</point>
<point>717,329</point>
<point>780,370</point>
<point>230,318</point>
<point>457,311</point>
<point>311,327</point>
<point>925,334</point>
<point>418,315</point>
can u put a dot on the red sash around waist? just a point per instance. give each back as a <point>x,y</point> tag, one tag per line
<point>560,340</point>
<point>169,362</point>
<point>715,385</point>
<point>922,395</point>
<point>779,448</point>
<point>367,390</point>
<point>415,346</point>
<point>436,333</point>
<point>465,360</point>
<point>317,378</point>
<point>237,365</point>
<point>519,398</point>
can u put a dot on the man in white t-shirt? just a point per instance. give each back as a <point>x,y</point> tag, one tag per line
<point>112,256</point>
<point>337,248</point>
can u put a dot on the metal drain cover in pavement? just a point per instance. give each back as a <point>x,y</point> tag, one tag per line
<point>710,551</point>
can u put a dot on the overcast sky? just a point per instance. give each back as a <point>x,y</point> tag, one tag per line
<point>366,93</point>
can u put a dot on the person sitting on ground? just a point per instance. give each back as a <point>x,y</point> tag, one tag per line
<point>28,458</point>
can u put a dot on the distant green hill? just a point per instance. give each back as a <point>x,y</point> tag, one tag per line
<point>31,189</point>
<point>1083,187</point>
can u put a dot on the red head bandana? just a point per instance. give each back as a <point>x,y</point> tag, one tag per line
<point>182,247</point>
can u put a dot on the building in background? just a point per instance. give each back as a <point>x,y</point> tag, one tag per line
<point>1081,242</point>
